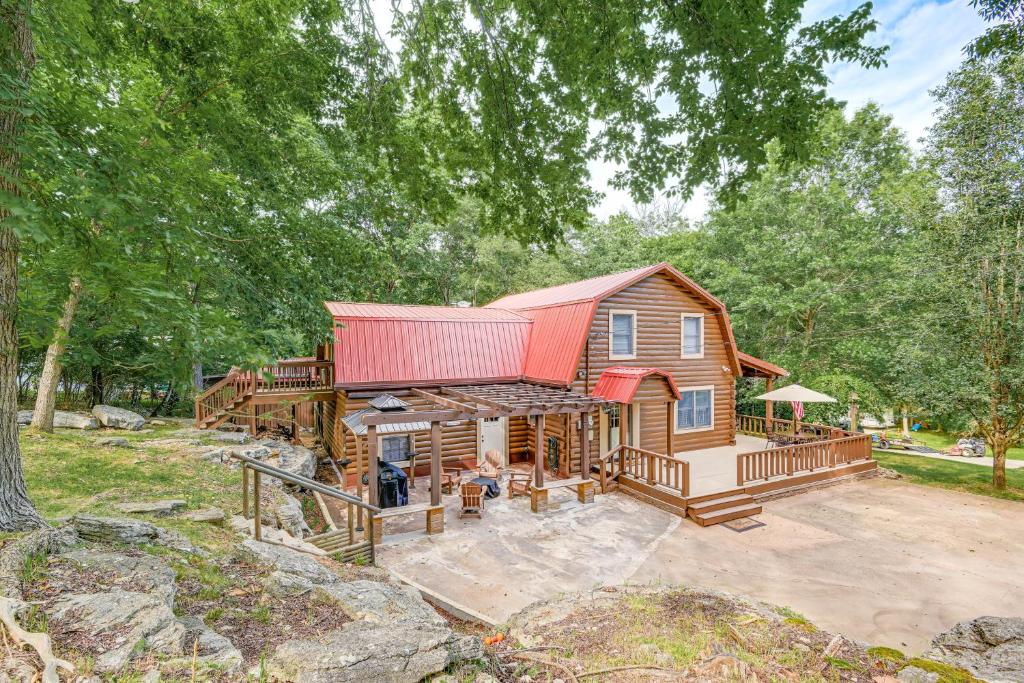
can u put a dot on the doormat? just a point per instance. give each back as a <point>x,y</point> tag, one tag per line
<point>743,524</point>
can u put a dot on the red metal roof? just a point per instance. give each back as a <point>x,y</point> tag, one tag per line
<point>620,383</point>
<point>345,309</point>
<point>536,335</point>
<point>377,350</point>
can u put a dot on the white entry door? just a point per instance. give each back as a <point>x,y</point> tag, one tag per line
<point>492,432</point>
<point>610,426</point>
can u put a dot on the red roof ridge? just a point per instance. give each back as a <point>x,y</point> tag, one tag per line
<point>616,281</point>
<point>457,314</point>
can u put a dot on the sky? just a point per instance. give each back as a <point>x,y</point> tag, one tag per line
<point>925,39</point>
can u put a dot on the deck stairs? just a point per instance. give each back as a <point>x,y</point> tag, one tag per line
<point>240,391</point>
<point>716,510</point>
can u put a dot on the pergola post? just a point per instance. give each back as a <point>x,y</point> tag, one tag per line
<point>371,465</point>
<point>769,411</point>
<point>623,431</point>
<point>435,463</point>
<point>538,494</point>
<point>435,515</point>
<point>538,449</point>
<point>669,427</point>
<point>584,445</point>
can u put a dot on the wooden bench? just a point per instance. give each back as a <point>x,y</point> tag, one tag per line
<point>539,494</point>
<point>435,518</point>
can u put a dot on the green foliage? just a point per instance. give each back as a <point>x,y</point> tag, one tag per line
<point>1007,36</point>
<point>886,653</point>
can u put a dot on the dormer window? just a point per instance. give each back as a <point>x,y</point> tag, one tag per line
<point>622,330</point>
<point>692,333</point>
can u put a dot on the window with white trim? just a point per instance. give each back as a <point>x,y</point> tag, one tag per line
<point>692,335</point>
<point>622,333</point>
<point>695,409</point>
<point>395,448</point>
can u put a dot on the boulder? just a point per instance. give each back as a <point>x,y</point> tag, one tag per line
<point>990,648</point>
<point>208,515</point>
<point>153,507</point>
<point>15,553</point>
<point>118,418</point>
<point>213,648</point>
<point>402,652</point>
<point>114,442</point>
<point>138,572</point>
<point>381,602</point>
<point>284,585</point>
<point>129,531</point>
<point>62,419</point>
<point>121,625</point>
<point>912,674</point>
<point>290,561</point>
<point>291,458</point>
<point>286,512</point>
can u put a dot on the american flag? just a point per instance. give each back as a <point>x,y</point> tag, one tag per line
<point>798,409</point>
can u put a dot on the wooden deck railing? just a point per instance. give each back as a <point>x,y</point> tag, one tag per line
<point>343,543</point>
<point>650,467</point>
<point>289,377</point>
<point>807,457</point>
<point>755,425</point>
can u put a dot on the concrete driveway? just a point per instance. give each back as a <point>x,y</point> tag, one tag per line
<point>882,561</point>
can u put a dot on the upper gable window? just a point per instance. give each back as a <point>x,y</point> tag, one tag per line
<point>692,333</point>
<point>622,326</point>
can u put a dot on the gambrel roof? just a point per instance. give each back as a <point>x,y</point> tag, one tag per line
<point>535,336</point>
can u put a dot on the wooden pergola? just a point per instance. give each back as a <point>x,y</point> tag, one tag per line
<point>477,401</point>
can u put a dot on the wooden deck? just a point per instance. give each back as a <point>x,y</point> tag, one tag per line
<point>719,484</point>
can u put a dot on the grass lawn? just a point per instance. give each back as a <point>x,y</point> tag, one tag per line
<point>942,440</point>
<point>69,472</point>
<point>966,477</point>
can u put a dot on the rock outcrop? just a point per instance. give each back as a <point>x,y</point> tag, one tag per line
<point>991,648</point>
<point>129,531</point>
<point>397,652</point>
<point>153,507</point>
<point>118,418</point>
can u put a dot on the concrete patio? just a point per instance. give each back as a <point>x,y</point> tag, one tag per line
<point>881,561</point>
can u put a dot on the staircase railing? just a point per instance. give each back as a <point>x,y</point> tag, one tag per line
<point>649,467</point>
<point>220,398</point>
<point>342,543</point>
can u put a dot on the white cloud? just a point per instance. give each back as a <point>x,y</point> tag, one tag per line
<point>925,40</point>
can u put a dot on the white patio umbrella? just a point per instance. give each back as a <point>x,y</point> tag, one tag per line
<point>795,393</point>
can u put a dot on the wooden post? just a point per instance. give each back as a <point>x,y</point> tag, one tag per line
<point>338,430</point>
<point>359,479</point>
<point>371,464</point>
<point>252,417</point>
<point>669,428</point>
<point>351,523</point>
<point>435,463</point>
<point>245,491</point>
<point>623,431</point>
<point>257,523</point>
<point>686,479</point>
<point>769,407</point>
<point>538,452</point>
<point>585,446</point>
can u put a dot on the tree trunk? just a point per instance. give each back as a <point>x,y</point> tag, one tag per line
<point>42,418</point>
<point>999,449</point>
<point>16,509</point>
<point>197,377</point>
<point>96,386</point>
<point>906,421</point>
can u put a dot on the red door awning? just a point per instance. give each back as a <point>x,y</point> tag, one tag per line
<point>620,383</point>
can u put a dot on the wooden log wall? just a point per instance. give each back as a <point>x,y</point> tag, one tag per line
<point>659,302</point>
<point>458,440</point>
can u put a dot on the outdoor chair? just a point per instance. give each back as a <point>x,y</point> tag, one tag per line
<point>450,477</point>
<point>519,484</point>
<point>472,500</point>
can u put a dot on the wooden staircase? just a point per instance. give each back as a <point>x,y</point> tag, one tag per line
<point>716,510</point>
<point>294,380</point>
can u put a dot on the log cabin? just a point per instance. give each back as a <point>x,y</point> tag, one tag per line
<point>621,380</point>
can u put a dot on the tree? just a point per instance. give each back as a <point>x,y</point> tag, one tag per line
<point>973,343</point>
<point>17,59</point>
<point>1006,37</point>
<point>46,395</point>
